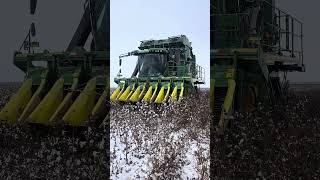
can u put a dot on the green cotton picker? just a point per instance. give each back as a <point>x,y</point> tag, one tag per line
<point>253,46</point>
<point>68,87</point>
<point>166,71</point>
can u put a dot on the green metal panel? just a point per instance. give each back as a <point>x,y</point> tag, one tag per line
<point>178,61</point>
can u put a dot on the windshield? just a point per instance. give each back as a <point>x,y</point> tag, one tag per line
<point>150,65</point>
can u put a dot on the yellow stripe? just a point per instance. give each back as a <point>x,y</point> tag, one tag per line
<point>167,94</point>
<point>80,110</point>
<point>115,94</point>
<point>48,105</point>
<point>148,95</point>
<point>13,109</point>
<point>142,92</point>
<point>154,95</point>
<point>174,95</point>
<point>121,92</point>
<point>229,97</point>
<point>135,95</point>
<point>160,96</point>
<point>181,92</point>
<point>227,105</point>
<point>100,105</point>
<point>36,98</point>
<point>131,92</point>
<point>67,101</point>
<point>125,94</point>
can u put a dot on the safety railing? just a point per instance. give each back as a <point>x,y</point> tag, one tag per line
<point>280,32</point>
<point>201,74</point>
<point>192,70</point>
<point>289,34</point>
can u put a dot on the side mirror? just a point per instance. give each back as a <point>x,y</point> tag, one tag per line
<point>33,6</point>
<point>33,30</point>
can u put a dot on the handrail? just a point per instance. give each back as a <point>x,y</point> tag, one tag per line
<point>283,33</point>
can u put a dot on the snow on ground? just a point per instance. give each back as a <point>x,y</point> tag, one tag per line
<point>161,142</point>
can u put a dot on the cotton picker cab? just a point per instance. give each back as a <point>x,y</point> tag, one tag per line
<point>166,70</point>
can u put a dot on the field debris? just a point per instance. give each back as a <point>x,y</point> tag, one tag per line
<point>271,143</point>
<point>26,153</point>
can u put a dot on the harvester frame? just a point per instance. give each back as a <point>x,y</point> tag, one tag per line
<point>182,75</point>
<point>69,87</point>
<point>253,42</point>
